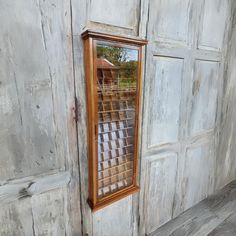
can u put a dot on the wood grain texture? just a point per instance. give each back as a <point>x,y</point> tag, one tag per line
<point>114,220</point>
<point>79,20</point>
<point>193,130</point>
<point>16,218</point>
<point>205,217</point>
<point>56,26</point>
<point>226,228</point>
<point>196,176</point>
<point>27,125</point>
<point>165,108</point>
<point>38,130</point>
<point>161,190</point>
<point>20,188</point>
<point>41,71</point>
<point>213,21</point>
<point>171,21</point>
<point>48,212</point>
<point>205,87</point>
<point>226,162</point>
<point>128,11</point>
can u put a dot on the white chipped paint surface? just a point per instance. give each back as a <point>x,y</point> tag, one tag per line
<point>43,189</point>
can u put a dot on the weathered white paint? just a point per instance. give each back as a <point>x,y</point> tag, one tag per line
<point>196,176</point>
<point>125,17</point>
<point>49,214</point>
<point>16,189</point>
<point>37,126</point>
<point>213,24</point>
<point>204,96</point>
<point>160,190</point>
<point>16,219</point>
<point>226,161</point>
<point>195,90</point>
<point>41,59</point>
<point>164,110</point>
<point>206,216</point>
<point>114,220</point>
<point>27,113</point>
<point>170,20</point>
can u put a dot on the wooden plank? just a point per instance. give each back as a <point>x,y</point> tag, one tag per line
<point>17,189</point>
<point>169,21</point>
<point>227,228</point>
<point>57,35</point>
<point>38,129</point>
<point>160,190</point>
<point>110,16</point>
<point>204,217</point>
<point>213,21</point>
<point>16,219</point>
<point>204,96</point>
<point>26,118</point>
<point>165,94</point>
<point>114,220</point>
<point>226,162</point>
<point>193,187</point>
<point>48,212</point>
<point>79,22</point>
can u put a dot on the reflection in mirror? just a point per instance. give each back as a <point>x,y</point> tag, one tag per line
<point>117,69</point>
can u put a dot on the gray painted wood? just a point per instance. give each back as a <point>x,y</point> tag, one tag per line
<point>41,70</point>
<point>214,20</point>
<point>163,24</point>
<point>179,31</point>
<point>196,176</point>
<point>114,219</point>
<point>38,130</point>
<point>17,189</point>
<point>161,190</point>
<point>16,219</point>
<point>226,170</point>
<point>227,228</point>
<point>83,16</point>
<point>205,217</point>
<point>164,110</point>
<point>48,212</point>
<point>79,21</point>
<point>27,128</point>
<point>204,96</point>
<point>126,17</point>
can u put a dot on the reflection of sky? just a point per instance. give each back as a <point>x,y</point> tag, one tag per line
<point>127,53</point>
<point>131,54</point>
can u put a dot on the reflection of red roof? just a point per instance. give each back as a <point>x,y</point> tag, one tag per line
<point>103,63</point>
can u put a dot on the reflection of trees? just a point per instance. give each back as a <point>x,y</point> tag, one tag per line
<point>115,55</point>
<point>129,69</point>
<point>118,57</point>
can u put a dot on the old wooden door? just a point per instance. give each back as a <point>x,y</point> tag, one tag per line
<point>182,97</point>
<point>182,103</point>
<point>43,182</point>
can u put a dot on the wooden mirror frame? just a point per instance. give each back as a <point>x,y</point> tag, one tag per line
<point>90,39</point>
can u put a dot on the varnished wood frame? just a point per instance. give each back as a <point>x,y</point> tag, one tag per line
<point>90,38</point>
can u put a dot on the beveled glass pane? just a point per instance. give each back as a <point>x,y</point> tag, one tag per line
<point>117,69</point>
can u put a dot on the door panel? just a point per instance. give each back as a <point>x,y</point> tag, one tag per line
<point>161,189</point>
<point>182,104</point>
<point>164,109</point>
<point>170,20</point>
<point>213,24</point>
<point>126,17</point>
<point>204,96</point>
